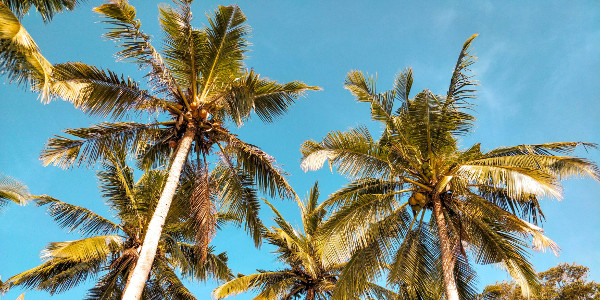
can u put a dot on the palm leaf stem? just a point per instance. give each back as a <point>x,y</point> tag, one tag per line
<point>416,183</point>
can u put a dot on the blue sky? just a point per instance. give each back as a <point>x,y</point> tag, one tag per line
<point>539,69</point>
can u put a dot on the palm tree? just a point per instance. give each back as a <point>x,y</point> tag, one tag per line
<point>199,83</point>
<point>111,248</point>
<point>12,190</point>
<point>478,202</point>
<point>306,273</point>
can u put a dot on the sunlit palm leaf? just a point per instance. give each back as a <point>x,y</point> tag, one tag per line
<point>95,142</point>
<point>77,218</point>
<point>13,190</point>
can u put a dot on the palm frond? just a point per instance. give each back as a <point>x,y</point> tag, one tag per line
<point>136,45</point>
<point>103,92</point>
<point>354,153</point>
<point>13,190</point>
<point>517,181</point>
<point>68,263</point>
<point>462,85</point>
<point>564,148</point>
<point>414,261</point>
<point>238,196</point>
<point>183,46</point>
<point>213,266</point>
<point>92,248</point>
<point>47,9</point>
<point>172,287</point>
<point>76,217</point>
<point>258,281</point>
<point>267,98</point>
<point>224,48</point>
<point>365,91</point>
<point>20,58</point>
<point>95,141</point>
<point>261,166</point>
<point>403,84</point>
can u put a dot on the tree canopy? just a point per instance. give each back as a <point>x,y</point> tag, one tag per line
<point>563,282</point>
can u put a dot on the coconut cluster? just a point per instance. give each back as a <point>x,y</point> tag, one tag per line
<point>417,201</point>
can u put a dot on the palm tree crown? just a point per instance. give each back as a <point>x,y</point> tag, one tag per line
<point>306,274</point>
<point>197,84</point>
<point>112,248</point>
<point>485,203</point>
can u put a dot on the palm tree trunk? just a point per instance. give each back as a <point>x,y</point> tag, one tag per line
<point>133,290</point>
<point>447,257</point>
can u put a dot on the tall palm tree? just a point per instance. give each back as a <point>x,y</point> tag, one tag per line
<point>12,190</point>
<point>485,203</point>
<point>197,85</point>
<point>306,274</point>
<point>111,248</point>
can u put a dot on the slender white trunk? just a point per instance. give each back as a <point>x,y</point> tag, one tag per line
<point>447,256</point>
<point>133,291</point>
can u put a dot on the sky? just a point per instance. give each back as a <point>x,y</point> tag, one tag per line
<point>538,66</point>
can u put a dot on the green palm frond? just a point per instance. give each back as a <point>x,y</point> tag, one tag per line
<point>258,281</point>
<point>13,190</point>
<point>493,244</point>
<point>55,276</point>
<point>238,196</point>
<point>364,186</point>
<point>170,282</point>
<point>365,91</point>
<point>354,153</point>
<point>267,98</point>
<point>403,84</point>
<point>213,266</point>
<point>95,142</point>
<point>47,8</point>
<point>262,167</point>
<point>351,222</point>
<point>20,58</point>
<point>564,148</point>
<point>103,92</point>
<point>311,212</point>
<point>68,264</point>
<point>76,218</point>
<point>183,45</point>
<point>88,249</point>
<point>461,84</point>
<point>224,49</point>
<point>135,44</point>
<point>415,260</point>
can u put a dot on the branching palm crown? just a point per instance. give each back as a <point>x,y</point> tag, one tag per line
<point>109,250</point>
<point>306,274</point>
<point>199,81</point>
<point>197,84</point>
<point>482,206</point>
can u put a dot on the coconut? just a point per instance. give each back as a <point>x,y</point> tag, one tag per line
<point>172,144</point>
<point>203,114</point>
<point>412,201</point>
<point>421,199</point>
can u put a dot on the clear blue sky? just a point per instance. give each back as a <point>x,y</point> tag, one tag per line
<point>539,69</point>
